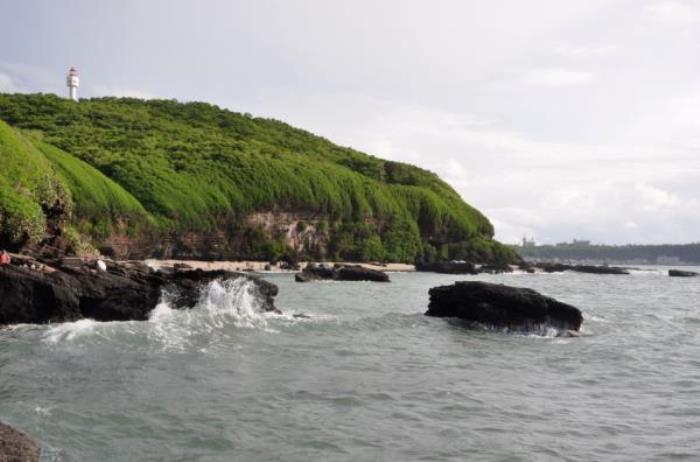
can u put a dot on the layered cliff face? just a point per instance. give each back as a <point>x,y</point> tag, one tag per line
<point>165,179</point>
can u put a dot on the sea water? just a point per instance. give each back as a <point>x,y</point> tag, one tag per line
<point>366,376</point>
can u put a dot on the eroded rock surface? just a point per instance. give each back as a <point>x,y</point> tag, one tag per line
<point>501,306</point>
<point>70,289</point>
<point>313,272</point>
<point>15,446</point>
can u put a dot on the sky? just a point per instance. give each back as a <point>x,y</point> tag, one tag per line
<point>559,120</point>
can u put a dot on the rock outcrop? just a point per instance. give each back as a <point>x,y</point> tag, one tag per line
<point>495,269</point>
<point>445,267</point>
<point>501,306</point>
<point>313,272</point>
<point>682,274</point>
<point>69,289</point>
<point>15,446</point>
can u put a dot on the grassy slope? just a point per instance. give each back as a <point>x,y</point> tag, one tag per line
<point>27,182</point>
<point>196,167</point>
<point>99,201</point>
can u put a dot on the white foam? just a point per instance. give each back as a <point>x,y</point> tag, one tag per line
<point>70,330</point>
<point>221,304</point>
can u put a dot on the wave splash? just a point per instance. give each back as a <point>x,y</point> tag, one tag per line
<point>222,303</point>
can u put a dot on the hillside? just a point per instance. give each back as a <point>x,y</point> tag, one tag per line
<point>162,178</point>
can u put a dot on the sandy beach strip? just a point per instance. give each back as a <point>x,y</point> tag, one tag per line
<point>263,266</point>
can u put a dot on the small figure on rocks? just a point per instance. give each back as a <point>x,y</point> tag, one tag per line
<point>5,258</point>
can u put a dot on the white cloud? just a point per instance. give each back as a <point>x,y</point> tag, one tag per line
<point>558,77</point>
<point>7,84</point>
<point>674,12</point>
<point>585,51</point>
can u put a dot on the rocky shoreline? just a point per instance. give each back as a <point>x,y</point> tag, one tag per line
<point>68,289</point>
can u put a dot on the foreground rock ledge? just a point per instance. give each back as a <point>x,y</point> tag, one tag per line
<point>501,306</point>
<point>15,446</point>
<point>339,272</point>
<point>70,289</point>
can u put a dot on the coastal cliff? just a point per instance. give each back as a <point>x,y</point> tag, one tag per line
<point>136,179</point>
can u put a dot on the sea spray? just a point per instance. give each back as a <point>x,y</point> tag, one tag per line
<point>222,303</point>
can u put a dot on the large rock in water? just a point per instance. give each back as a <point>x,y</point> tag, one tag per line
<point>502,306</point>
<point>339,272</point>
<point>67,290</point>
<point>15,446</point>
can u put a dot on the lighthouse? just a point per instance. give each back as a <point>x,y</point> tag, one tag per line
<point>73,82</point>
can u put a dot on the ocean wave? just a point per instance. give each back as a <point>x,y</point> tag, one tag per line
<point>222,304</point>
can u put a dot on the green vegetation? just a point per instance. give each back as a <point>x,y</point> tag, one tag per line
<point>99,202</point>
<point>161,166</point>
<point>28,187</point>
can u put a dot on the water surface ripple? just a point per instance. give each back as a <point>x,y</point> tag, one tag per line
<point>367,377</point>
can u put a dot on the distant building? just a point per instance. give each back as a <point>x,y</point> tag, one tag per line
<point>529,242</point>
<point>73,82</point>
<point>665,260</point>
<point>574,243</point>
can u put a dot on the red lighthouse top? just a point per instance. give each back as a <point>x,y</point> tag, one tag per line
<point>73,71</point>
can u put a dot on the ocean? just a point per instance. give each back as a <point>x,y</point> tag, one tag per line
<point>366,376</point>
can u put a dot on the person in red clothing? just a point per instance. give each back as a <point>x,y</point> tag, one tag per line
<point>5,258</point>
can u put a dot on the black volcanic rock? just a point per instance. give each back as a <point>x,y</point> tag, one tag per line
<point>495,269</point>
<point>502,306</point>
<point>445,267</point>
<point>682,274</point>
<point>314,272</point>
<point>591,269</point>
<point>69,289</point>
<point>15,446</point>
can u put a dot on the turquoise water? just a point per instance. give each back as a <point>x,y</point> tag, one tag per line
<point>367,377</point>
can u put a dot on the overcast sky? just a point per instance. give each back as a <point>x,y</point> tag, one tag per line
<point>558,119</point>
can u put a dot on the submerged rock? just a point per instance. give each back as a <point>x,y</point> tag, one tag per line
<point>682,274</point>
<point>15,446</point>
<point>501,306</point>
<point>67,290</point>
<point>314,272</point>
<point>591,269</point>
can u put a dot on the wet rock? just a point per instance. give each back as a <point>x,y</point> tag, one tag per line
<point>591,269</point>
<point>314,272</point>
<point>125,291</point>
<point>495,269</point>
<point>681,274</point>
<point>360,273</point>
<point>501,306</point>
<point>446,267</point>
<point>15,446</point>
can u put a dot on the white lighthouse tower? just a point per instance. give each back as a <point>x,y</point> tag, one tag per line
<point>73,82</point>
